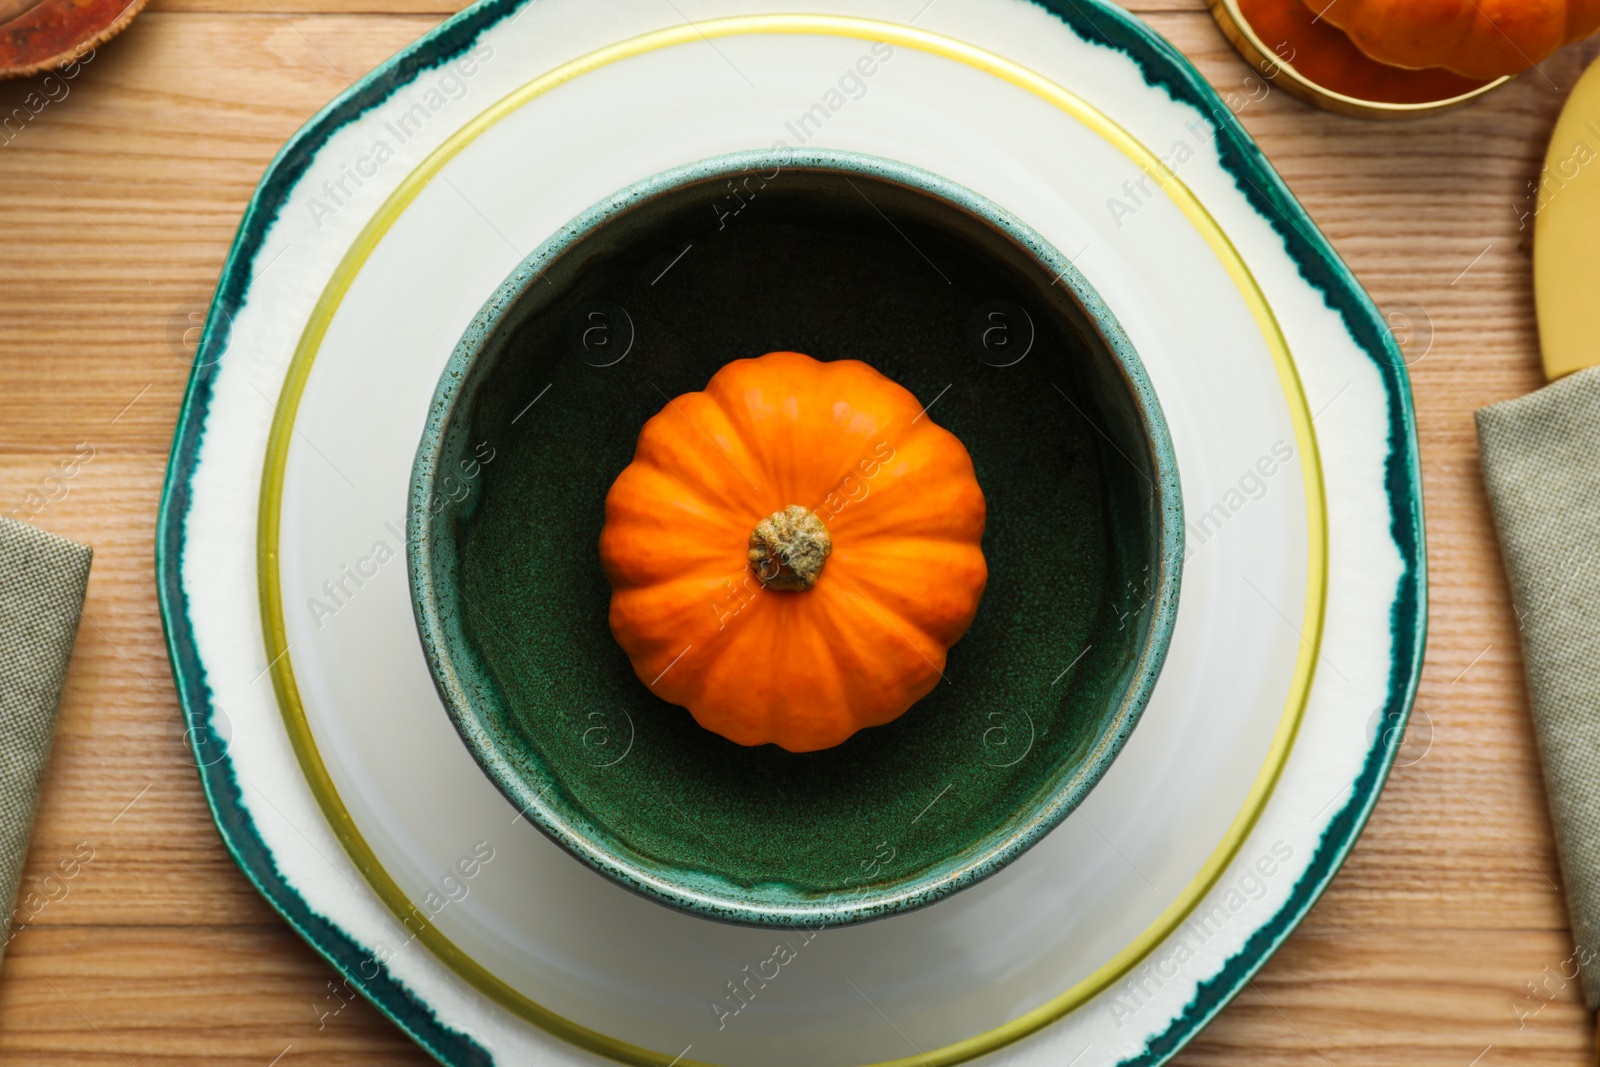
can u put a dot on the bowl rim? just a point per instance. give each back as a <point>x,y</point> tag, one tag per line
<point>977,859</point>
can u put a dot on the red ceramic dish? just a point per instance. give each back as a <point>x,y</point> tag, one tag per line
<point>43,35</point>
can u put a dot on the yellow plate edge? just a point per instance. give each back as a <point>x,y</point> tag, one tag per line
<point>270,514</point>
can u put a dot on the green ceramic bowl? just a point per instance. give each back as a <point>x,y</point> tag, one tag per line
<point>642,298</point>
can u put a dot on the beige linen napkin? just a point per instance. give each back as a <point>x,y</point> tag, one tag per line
<point>1541,464</point>
<point>42,582</point>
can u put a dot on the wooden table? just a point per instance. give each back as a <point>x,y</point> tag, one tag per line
<point>1441,943</point>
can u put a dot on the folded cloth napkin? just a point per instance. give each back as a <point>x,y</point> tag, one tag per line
<point>1541,464</point>
<point>42,581</point>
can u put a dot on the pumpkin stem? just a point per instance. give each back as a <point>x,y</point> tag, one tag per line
<point>788,549</point>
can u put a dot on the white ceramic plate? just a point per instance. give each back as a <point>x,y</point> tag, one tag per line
<point>532,942</point>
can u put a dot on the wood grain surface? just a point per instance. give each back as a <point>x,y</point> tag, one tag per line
<point>1444,940</point>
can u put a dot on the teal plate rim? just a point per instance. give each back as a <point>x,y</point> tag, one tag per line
<point>1095,21</point>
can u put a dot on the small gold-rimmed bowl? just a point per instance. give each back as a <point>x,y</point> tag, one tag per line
<point>1317,63</point>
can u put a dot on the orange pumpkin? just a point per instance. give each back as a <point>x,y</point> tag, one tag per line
<point>1475,38</point>
<point>793,551</point>
<point>1324,55</point>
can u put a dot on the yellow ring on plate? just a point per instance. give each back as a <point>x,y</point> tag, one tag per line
<point>282,668</point>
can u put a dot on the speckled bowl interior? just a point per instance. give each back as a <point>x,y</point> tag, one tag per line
<point>643,298</point>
